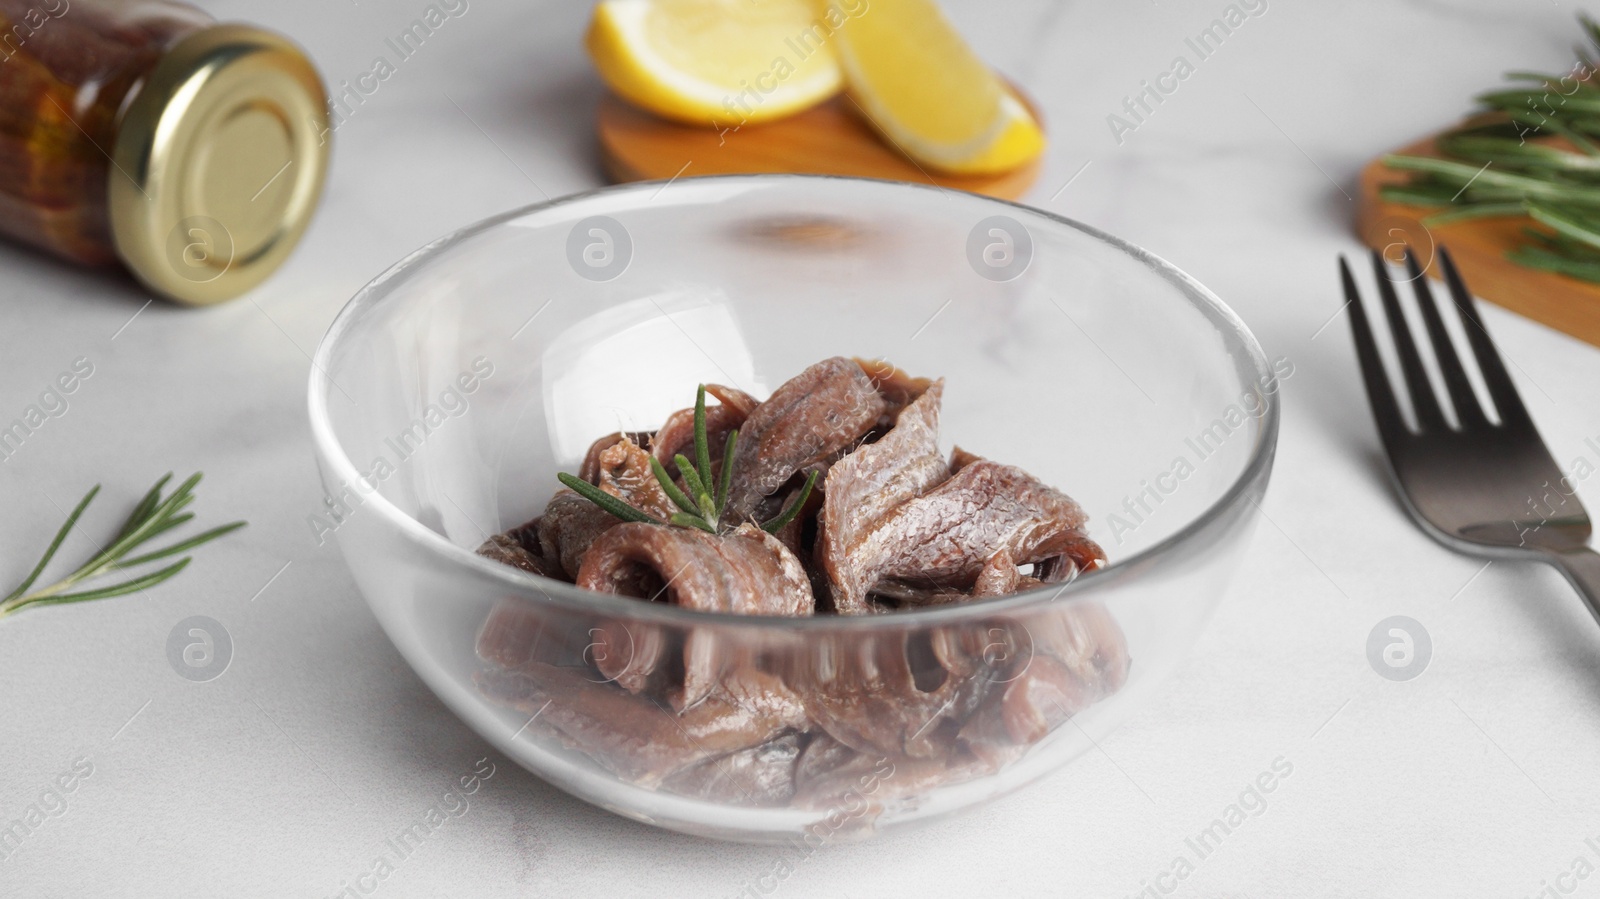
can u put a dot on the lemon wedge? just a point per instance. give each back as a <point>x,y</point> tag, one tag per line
<point>715,62</point>
<point>920,85</point>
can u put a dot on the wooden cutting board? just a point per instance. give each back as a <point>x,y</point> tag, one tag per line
<point>830,139</point>
<point>1478,248</point>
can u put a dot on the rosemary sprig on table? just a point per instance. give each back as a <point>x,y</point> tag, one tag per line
<point>153,516</point>
<point>1534,154</point>
<point>703,498</point>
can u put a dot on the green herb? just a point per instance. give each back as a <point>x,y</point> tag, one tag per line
<point>1532,154</point>
<point>152,517</point>
<point>788,515</point>
<point>703,497</point>
<point>605,500</point>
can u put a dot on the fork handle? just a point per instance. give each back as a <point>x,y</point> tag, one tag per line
<point>1582,568</point>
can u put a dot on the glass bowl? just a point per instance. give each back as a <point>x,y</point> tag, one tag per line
<point>451,390</point>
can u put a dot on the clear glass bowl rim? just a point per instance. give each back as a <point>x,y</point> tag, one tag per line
<point>1236,334</point>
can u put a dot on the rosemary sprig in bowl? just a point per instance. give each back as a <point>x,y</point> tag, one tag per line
<point>1532,152</point>
<point>153,516</point>
<point>703,497</point>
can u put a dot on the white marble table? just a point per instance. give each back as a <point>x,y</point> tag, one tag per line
<point>284,776</point>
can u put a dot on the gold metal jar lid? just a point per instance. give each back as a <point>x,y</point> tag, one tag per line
<point>220,160</point>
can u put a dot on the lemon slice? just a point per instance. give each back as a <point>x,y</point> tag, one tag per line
<point>921,85</point>
<point>715,62</point>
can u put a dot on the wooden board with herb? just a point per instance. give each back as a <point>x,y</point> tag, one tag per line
<point>1479,248</point>
<point>1514,192</point>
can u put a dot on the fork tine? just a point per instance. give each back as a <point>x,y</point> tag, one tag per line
<point>1429,418</point>
<point>1468,409</point>
<point>1501,389</point>
<point>1385,410</point>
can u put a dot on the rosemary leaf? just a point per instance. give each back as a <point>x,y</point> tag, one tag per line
<point>1536,257</point>
<point>163,510</point>
<point>1569,222</point>
<point>1577,250</point>
<point>776,524</point>
<point>1527,116</point>
<point>685,520</point>
<point>122,589</point>
<point>691,479</point>
<point>169,524</point>
<point>678,497</point>
<point>182,547</point>
<point>145,506</point>
<point>1507,150</point>
<point>1481,210</point>
<point>1468,174</point>
<point>55,544</point>
<point>1540,77</point>
<point>702,441</point>
<point>604,500</point>
<point>1532,99</point>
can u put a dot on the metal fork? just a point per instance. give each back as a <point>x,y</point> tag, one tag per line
<point>1481,488</point>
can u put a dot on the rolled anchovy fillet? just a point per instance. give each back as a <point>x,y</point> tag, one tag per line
<point>569,525</point>
<point>520,548</point>
<point>746,572</point>
<point>625,473</point>
<point>589,469</point>
<point>677,433</point>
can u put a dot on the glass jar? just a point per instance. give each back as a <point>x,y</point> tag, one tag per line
<point>142,132</point>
